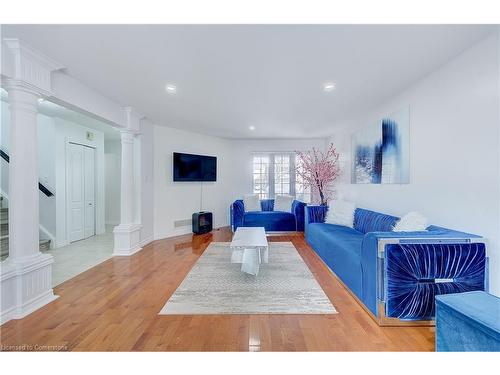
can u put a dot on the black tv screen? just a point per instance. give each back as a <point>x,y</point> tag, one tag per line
<point>188,167</point>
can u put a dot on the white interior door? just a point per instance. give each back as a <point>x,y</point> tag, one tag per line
<point>89,195</point>
<point>81,202</point>
<point>75,192</point>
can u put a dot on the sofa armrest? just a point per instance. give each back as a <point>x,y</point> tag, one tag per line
<point>420,255</point>
<point>298,210</point>
<point>314,214</point>
<point>237,212</point>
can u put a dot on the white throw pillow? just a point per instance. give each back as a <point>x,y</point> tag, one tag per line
<point>283,203</point>
<point>251,202</point>
<point>341,213</point>
<point>411,222</point>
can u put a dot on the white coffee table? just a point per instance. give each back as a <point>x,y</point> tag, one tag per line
<point>250,248</point>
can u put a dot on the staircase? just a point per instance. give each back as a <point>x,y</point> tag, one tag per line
<point>4,233</point>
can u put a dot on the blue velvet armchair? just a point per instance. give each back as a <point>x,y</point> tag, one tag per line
<point>272,221</point>
<point>468,322</point>
<point>395,275</point>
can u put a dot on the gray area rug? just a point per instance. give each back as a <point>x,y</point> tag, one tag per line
<point>216,286</point>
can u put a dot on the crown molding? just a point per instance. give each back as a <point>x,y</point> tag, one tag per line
<point>28,67</point>
<point>22,49</point>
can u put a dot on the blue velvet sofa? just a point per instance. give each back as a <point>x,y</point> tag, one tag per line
<point>468,322</point>
<point>272,221</point>
<point>396,275</point>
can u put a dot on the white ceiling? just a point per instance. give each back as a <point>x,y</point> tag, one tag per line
<point>230,77</point>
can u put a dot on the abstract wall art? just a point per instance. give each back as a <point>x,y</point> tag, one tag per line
<point>381,152</point>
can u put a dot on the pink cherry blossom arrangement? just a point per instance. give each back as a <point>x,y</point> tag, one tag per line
<point>319,171</point>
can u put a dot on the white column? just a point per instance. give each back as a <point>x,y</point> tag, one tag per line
<point>23,175</point>
<point>26,279</point>
<point>127,235</point>
<point>127,177</point>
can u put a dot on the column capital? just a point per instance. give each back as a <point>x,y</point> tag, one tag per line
<point>27,67</point>
<point>127,136</point>
<point>132,119</point>
<point>10,84</point>
<point>21,96</point>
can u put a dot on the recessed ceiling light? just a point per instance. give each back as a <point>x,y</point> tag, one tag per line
<point>328,86</point>
<point>251,127</point>
<point>171,89</point>
<point>40,100</point>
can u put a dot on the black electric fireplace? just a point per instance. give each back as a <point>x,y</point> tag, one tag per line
<point>202,222</point>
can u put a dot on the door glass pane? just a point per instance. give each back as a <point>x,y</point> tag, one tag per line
<point>282,174</point>
<point>261,176</point>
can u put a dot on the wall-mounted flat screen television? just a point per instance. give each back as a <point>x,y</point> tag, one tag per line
<point>189,167</point>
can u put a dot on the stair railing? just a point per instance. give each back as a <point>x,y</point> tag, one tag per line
<point>41,187</point>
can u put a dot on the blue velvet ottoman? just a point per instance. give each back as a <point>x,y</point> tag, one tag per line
<point>468,322</point>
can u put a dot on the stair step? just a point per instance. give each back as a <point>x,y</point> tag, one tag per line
<point>44,245</point>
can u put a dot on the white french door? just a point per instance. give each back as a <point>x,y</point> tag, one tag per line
<point>80,174</point>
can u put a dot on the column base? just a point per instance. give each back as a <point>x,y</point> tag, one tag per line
<point>127,239</point>
<point>26,286</point>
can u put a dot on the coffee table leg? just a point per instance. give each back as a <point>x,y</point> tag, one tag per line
<point>265,257</point>
<point>250,262</point>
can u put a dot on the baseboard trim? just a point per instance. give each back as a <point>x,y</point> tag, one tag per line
<point>19,312</point>
<point>7,315</point>
<point>175,235</point>
<point>146,241</point>
<point>127,239</point>
<point>125,252</point>
<point>38,302</point>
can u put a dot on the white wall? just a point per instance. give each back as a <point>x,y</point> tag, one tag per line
<point>70,132</point>
<point>112,172</point>
<point>178,200</point>
<point>454,156</point>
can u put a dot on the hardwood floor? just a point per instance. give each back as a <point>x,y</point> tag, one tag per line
<point>114,307</point>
